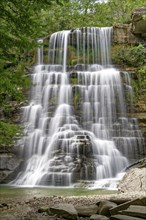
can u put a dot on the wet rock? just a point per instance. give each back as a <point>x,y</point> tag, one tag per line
<point>8,164</point>
<point>86,210</point>
<point>73,74</point>
<point>64,210</point>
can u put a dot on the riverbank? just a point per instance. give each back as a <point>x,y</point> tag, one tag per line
<point>19,208</point>
<point>25,203</point>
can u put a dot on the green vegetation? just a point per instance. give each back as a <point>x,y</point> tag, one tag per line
<point>7,132</point>
<point>23,22</point>
<point>132,58</point>
<point>141,85</point>
<point>128,55</point>
<point>87,13</point>
<point>74,81</point>
<point>76,100</point>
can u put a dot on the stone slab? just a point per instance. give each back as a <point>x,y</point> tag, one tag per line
<point>125,205</point>
<point>119,201</point>
<point>105,206</point>
<point>136,211</point>
<point>124,217</point>
<point>64,210</point>
<point>86,210</point>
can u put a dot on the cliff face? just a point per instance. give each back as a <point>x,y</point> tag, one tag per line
<point>138,26</point>
<point>131,35</point>
<point>122,34</point>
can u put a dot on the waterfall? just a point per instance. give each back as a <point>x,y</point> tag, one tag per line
<point>77,126</point>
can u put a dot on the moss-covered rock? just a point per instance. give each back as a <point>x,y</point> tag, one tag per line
<point>139,22</point>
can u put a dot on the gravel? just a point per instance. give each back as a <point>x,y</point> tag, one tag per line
<point>28,209</point>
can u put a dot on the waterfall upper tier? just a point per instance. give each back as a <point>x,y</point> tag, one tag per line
<point>77,126</point>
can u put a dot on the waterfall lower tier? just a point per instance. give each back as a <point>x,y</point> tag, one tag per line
<point>77,127</point>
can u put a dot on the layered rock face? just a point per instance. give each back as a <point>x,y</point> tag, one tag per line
<point>132,33</point>
<point>122,34</point>
<point>139,22</point>
<point>9,164</point>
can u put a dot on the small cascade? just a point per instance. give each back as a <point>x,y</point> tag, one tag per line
<point>77,128</point>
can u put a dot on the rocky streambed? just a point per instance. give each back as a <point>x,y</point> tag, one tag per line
<point>71,207</point>
<point>128,203</point>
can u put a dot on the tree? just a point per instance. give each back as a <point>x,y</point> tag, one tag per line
<point>21,24</point>
<point>120,10</point>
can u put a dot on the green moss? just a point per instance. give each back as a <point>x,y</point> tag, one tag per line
<point>53,101</point>
<point>74,81</point>
<point>71,55</point>
<point>132,59</point>
<point>45,59</point>
<point>76,100</point>
<point>139,85</point>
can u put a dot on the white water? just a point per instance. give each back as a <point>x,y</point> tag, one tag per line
<point>76,123</point>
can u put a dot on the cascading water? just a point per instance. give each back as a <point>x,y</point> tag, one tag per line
<point>76,123</point>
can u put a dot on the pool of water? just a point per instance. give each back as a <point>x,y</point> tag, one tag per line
<point>11,192</point>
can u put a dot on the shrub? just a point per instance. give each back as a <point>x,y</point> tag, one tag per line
<point>129,55</point>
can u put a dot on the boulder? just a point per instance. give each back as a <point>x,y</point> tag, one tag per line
<point>105,206</point>
<point>9,163</point>
<point>139,22</point>
<point>86,210</point>
<point>115,210</point>
<point>64,210</point>
<point>135,211</point>
<point>133,180</point>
